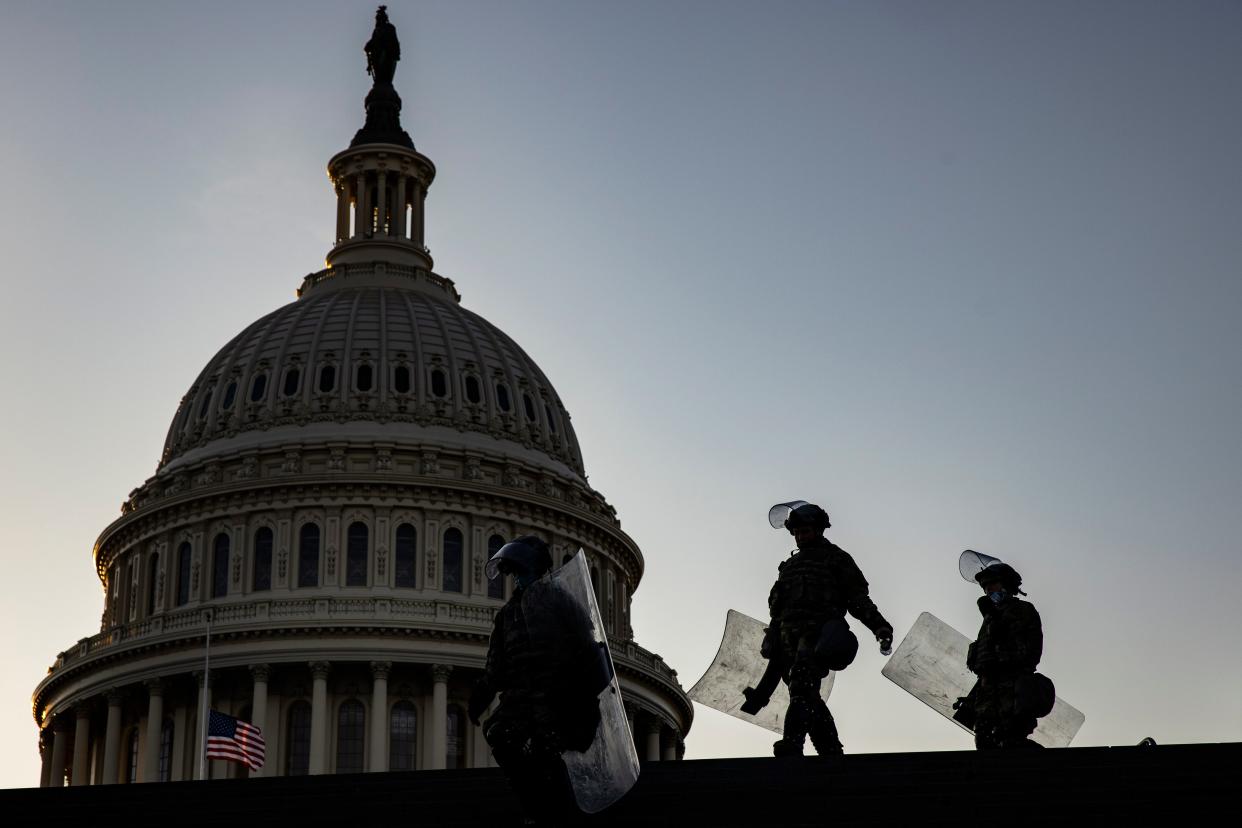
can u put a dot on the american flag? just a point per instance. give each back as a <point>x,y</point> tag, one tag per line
<point>234,740</point>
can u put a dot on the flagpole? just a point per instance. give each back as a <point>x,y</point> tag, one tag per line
<point>202,745</point>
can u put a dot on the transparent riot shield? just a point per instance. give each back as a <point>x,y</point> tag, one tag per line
<point>603,772</point>
<point>737,666</point>
<point>930,664</point>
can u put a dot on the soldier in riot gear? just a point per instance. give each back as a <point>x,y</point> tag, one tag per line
<point>1008,696</point>
<point>808,635</point>
<point>543,663</point>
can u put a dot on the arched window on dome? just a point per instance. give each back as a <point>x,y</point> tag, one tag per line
<point>439,383</point>
<point>205,405</point>
<point>258,387</point>
<point>351,719</point>
<point>547,410</point>
<point>220,566</point>
<point>401,379</point>
<point>529,405</point>
<point>153,574</point>
<point>403,737</point>
<point>230,394</point>
<point>166,747</point>
<point>455,728</point>
<point>364,377</point>
<point>474,393</point>
<point>185,557</point>
<point>327,378</point>
<point>262,559</point>
<point>452,560</point>
<point>308,556</point>
<point>131,757</point>
<point>297,752</point>
<point>610,602</point>
<point>406,555</point>
<point>293,380</point>
<point>455,725</point>
<point>356,555</point>
<point>502,397</point>
<point>495,586</point>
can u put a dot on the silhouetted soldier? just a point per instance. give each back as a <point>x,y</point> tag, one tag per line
<point>545,665</point>
<point>809,636</point>
<point>1009,696</point>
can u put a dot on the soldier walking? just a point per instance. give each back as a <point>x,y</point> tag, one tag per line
<point>1009,696</point>
<point>809,636</point>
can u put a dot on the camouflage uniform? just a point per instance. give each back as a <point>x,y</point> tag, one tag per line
<point>819,583</point>
<point>1004,657</point>
<point>534,661</point>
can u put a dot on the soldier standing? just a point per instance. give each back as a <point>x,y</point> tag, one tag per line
<point>1009,696</point>
<point>809,636</point>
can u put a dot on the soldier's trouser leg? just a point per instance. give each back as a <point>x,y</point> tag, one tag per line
<point>535,770</point>
<point>824,730</point>
<point>807,712</point>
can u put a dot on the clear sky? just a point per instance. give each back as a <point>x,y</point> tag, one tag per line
<point>965,273</point>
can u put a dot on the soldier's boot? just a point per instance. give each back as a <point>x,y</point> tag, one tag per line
<point>797,720</point>
<point>824,732</point>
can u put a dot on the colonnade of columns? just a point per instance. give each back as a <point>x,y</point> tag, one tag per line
<point>655,739</point>
<point>380,203</point>
<point>70,743</point>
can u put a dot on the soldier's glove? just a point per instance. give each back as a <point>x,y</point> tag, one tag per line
<point>885,637</point>
<point>480,698</point>
<point>754,702</point>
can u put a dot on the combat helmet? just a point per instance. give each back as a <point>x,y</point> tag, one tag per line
<point>798,514</point>
<point>981,568</point>
<point>529,553</point>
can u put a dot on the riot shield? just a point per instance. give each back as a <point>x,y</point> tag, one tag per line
<point>739,665</point>
<point>930,664</point>
<point>604,771</point>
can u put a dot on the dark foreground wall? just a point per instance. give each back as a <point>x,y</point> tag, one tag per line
<point>1103,785</point>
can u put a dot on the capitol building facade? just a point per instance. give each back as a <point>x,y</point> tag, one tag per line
<point>331,486</point>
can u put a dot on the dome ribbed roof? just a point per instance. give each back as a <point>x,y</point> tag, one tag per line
<point>408,361</point>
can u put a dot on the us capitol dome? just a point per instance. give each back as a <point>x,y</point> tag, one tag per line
<point>330,488</point>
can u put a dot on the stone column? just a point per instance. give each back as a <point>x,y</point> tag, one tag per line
<point>60,746</point>
<point>362,217</point>
<point>381,203</point>
<point>653,741</point>
<point>155,731</point>
<point>439,716</point>
<point>319,717</point>
<point>112,737</point>
<point>398,226</point>
<point>81,744</point>
<point>416,220</point>
<point>45,758</point>
<point>258,706</point>
<point>670,747</point>
<point>342,210</point>
<point>379,715</point>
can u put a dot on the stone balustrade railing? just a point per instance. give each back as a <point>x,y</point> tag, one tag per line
<point>326,610</point>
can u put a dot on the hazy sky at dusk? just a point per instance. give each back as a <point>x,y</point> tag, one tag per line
<point>965,273</point>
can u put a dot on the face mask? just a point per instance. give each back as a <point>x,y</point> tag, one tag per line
<point>998,596</point>
<point>523,579</point>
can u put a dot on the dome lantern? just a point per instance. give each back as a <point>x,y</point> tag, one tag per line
<point>381,181</point>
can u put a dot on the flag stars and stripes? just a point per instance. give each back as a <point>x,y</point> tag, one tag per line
<point>233,740</point>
